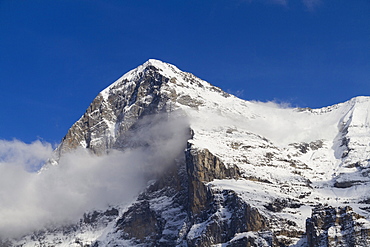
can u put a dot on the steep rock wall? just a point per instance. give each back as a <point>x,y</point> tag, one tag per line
<point>330,226</point>
<point>203,216</point>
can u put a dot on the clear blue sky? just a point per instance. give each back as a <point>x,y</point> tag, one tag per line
<point>56,56</point>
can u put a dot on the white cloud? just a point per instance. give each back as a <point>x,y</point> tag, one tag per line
<point>30,156</point>
<point>82,181</point>
<point>275,104</point>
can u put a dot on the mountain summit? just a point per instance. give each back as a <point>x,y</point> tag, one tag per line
<point>225,172</point>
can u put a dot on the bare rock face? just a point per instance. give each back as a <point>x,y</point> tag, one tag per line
<point>91,125</point>
<point>202,167</point>
<point>329,226</point>
<point>216,216</point>
<point>226,217</point>
<point>141,223</point>
<point>110,116</point>
<point>207,167</point>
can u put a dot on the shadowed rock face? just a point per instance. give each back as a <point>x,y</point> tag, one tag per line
<point>220,213</point>
<point>203,167</point>
<point>108,119</point>
<point>329,226</point>
<point>195,204</point>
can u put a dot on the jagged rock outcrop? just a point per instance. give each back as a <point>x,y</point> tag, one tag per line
<point>216,216</point>
<point>113,112</point>
<point>203,167</point>
<point>200,215</point>
<point>225,217</point>
<point>330,226</point>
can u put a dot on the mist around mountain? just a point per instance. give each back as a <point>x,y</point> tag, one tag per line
<point>81,182</point>
<point>163,158</point>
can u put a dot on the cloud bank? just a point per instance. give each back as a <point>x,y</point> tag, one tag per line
<point>81,181</point>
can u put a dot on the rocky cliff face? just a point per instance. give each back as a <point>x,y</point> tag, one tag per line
<point>251,174</point>
<point>339,226</point>
<point>115,110</point>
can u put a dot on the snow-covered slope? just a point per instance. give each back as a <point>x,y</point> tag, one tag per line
<point>252,173</point>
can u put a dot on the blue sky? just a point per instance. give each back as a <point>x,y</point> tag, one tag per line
<point>56,56</point>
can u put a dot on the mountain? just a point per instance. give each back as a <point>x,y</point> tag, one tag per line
<point>222,171</point>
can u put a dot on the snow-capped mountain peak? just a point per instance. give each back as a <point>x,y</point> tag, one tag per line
<point>252,174</point>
